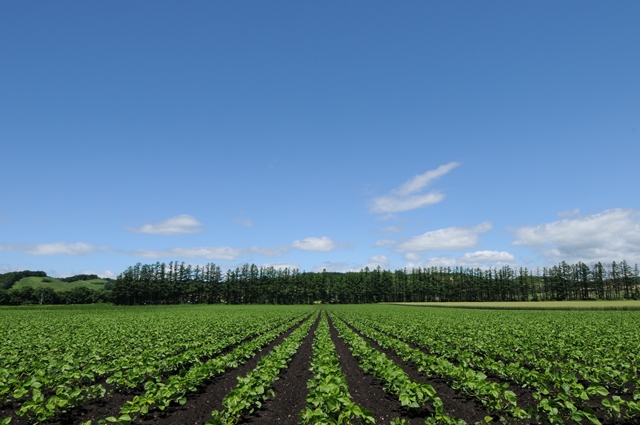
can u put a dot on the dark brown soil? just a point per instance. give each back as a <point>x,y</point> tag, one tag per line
<point>524,395</point>
<point>455,403</point>
<point>209,397</point>
<point>367,391</point>
<point>197,409</point>
<point>290,390</point>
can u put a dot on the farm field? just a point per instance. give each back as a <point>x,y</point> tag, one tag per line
<point>537,305</point>
<point>323,364</point>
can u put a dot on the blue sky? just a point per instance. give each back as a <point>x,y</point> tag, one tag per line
<point>318,134</point>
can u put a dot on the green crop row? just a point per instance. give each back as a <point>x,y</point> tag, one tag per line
<point>255,388</point>
<point>122,353</point>
<point>175,389</point>
<point>565,367</point>
<point>411,394</point>
<point>329,401</point>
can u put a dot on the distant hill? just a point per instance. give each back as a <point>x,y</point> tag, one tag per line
<point>60,284</point>
<point>7,280</point>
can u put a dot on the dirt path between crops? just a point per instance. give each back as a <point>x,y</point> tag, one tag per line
<point>455,403</point>
<point>290,390</point>
<point>366,390</point>
<point>199,406</point>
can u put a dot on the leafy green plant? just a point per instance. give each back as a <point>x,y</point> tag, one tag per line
<point>329,401</point>
<point>255,388</point>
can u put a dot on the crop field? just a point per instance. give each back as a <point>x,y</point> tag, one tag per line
<point>323,364</point>
<point>536,305</point>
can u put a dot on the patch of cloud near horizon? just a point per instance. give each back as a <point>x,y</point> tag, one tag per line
<point>60,248</point>
<point>341,267</point>
<point>183,224</point>
<point>269,251</point>
<point>612,235</point>
<point>103,274</point>
<point>323,244</point>
<point>281,266</point>
<point>477,259</point>
<point>55,248</point>
<point>449,238</point>
<point>407,197</point>
<point>208,253</point>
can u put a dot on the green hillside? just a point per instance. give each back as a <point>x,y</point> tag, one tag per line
<point>57,284</point>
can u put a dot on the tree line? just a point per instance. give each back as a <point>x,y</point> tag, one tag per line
<point>180,283</point>
<point>44,295</point>
<point>177,283</point>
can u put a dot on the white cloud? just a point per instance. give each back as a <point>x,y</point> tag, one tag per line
<point>335,266</point>
<point>449,238</point>
<point>104,274</point>
<point>342,267</point>
<point>477,259</point>
<point>209,253</point>
<point>380,260</point>
<point>107,274</point>
<point>180,225</point>
<point>281,266</point>
<point>269,251</point>
<point>484,257</point>
<point>407,196</point>
<point>243,222</point>
<point>569,213</point>
<point>391,229</point>
<point>323,244</point>
<point>391,203</point>
<point>6,268</point>
<point>611,235</point>
<point>412,256</point>
<point>385,242</point>
<point>60,248</point>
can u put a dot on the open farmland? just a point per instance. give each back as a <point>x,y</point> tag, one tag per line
<point>317,364</point>
<point>536,305</point>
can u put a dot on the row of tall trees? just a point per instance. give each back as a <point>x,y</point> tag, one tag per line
<point>176,283</point>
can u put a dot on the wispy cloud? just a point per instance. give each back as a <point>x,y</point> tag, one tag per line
<point>407,197</point>
<point>611,235</point>
<point>449,238</point>
<point>207,252</point>
<point>6,268</point>
<point>243,222</point>
<point>385,242</point>
<point>270,251</point>
<point>60,248</point>
<point>343,267</point>
<point>569,213</point>
<point>55,248</point>
<point>281,266</point>
<point>180,225</point>
<point>103,274</point>
<point>412,256</point>
<point>323,244</point>
<point>391,229</point>
<point>477,259</point>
